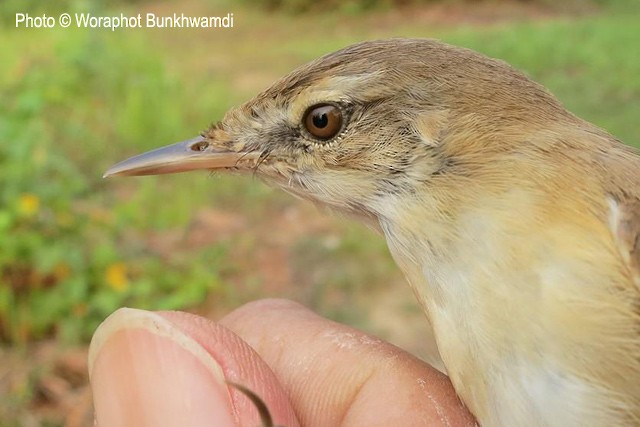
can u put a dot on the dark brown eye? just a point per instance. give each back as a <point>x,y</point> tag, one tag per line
<point>323,121</point>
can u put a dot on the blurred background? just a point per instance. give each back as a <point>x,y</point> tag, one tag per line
<point>75,247</point>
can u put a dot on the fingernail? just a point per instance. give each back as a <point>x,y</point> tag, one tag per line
<point>146,372</point>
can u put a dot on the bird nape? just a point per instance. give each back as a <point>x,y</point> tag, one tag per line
<point>516,222</point>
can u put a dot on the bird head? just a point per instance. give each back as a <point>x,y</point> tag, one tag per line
<point>372,121</point>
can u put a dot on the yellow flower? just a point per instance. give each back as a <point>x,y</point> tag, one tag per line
<point>116,276</point>
<point>28,204</point>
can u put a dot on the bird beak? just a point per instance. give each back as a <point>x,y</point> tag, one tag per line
<point>184,156</point>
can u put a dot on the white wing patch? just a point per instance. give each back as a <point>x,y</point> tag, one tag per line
<point>624,222</point>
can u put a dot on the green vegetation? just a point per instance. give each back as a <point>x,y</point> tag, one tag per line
<point>74,247</point>
<point>66,258</point>
<point>359,6</point>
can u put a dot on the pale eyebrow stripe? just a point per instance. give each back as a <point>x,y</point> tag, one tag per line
<point>352,88</point>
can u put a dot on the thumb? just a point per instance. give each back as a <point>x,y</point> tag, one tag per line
<point>171,369</point>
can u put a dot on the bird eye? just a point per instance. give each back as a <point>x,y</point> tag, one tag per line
<point>323,121</point>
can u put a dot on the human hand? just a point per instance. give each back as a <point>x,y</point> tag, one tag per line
<point>173,369</point>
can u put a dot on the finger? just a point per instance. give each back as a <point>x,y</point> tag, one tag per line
<point>240,365</point>
<point>168,369</point>
<point>336,375</point>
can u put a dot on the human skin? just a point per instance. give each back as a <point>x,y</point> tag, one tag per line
<point>173,368</point>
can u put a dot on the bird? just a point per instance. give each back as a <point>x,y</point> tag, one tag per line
<point>515,222</point>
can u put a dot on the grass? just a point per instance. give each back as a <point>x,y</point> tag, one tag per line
<point>75,247</point>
